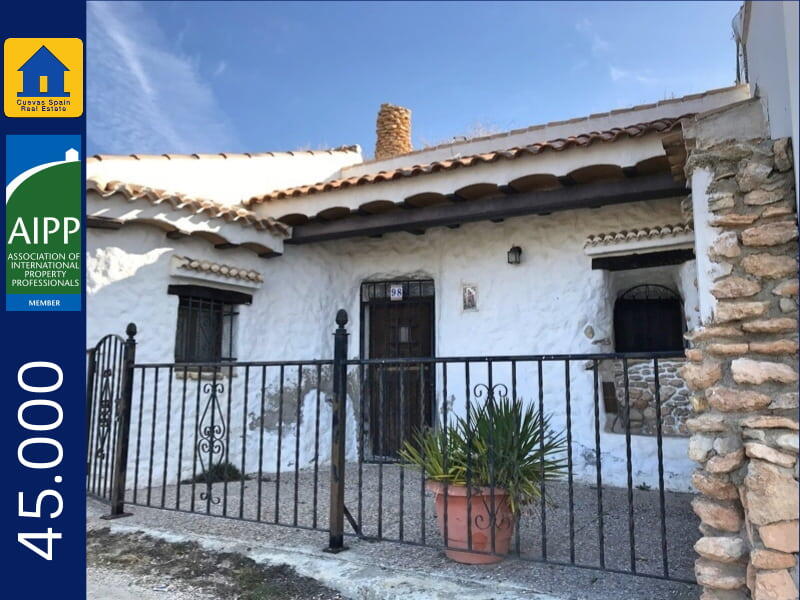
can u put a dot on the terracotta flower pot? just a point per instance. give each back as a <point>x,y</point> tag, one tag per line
<point>480,524</point>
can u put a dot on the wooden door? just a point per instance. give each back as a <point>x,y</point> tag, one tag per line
<point>400,395</point>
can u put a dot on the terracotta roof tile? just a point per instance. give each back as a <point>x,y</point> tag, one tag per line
<point>632,235</point>
<point>234,214</point>
<point>207,266</point>
<point>556,145</point>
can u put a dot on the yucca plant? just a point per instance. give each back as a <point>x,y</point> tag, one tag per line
<point>502,444</point>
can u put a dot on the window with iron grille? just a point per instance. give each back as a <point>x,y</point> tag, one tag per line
<point>648,318</point>
<point>206,328</point>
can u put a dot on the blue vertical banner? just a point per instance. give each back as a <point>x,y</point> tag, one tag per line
<point>43,373</point>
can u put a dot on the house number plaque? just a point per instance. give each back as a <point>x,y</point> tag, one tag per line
<point>396,292</point>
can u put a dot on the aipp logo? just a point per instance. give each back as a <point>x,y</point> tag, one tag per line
<point>43,77</point>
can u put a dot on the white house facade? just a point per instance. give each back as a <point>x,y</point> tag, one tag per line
<point>559,299</point>
<point>631,274</point>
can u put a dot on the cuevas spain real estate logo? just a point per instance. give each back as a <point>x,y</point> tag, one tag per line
<point>43,77</point>
<point>43,223</point>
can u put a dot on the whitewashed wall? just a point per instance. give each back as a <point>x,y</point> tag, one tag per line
<point>541,306</point>
<point>772,65</point>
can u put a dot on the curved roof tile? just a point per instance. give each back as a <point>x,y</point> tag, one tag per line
<point>235,214</point>
<point>658,232</point>
<point>556,145</point>
<point>223,270</point>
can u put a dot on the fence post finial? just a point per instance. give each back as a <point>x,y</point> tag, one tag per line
<point>120,466</point>
<point>338,422</point>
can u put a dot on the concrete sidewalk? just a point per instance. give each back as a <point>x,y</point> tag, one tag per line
<point>388,570</point>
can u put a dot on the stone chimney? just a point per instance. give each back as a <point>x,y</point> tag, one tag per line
<point>393,131</point>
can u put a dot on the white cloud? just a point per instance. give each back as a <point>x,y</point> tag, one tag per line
<point>644,77</point>
<point>142,96</point>
<point>220,68</point>
<point>598,44</point>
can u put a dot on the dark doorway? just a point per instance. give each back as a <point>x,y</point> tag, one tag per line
<point>397,322</point>
<point>648,318</point>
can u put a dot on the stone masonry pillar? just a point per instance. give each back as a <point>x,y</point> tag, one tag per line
<point>392,132</point>
<point>743,368</point>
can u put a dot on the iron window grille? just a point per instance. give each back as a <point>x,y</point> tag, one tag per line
<point>206,327</point>
<point>376,291</point>
<point>649,318</point>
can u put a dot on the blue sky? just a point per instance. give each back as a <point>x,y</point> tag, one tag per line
<point>250,76</point>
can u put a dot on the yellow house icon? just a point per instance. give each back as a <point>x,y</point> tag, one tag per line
<point>43,77</point>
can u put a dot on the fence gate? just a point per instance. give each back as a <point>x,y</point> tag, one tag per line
<point>108,400</point>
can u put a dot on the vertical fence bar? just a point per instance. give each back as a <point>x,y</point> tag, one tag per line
<point>228,424</point>
<point>423,419</point>
<point>123,430</point>
<point>90,371</point>
<point>517,525</point>
<point>196,440</point>
<point>361,434</point>
<point>180,446</point>
<point>336,520</point>
<point>469,454</point>
<point>139,435</point>
<point>381,443</point>
<point>598,468</point>
<point>542,503</point>
<point>244,439</point>
<point>108,452</point>
<point>629,464</point>
<point>568,400</point>
<point>152,436</point>
<point>167,427</point>
<point>212,435</point>
<point>444,444</point>
<point>492,500</point>
<point>659,444</point>
<point>261,440</point>
<point>316,444</point>
<point>298,417</point>
<point>93,437</point>
<point>402,439</point>
<point>280,443</point>
<point>119,360</point>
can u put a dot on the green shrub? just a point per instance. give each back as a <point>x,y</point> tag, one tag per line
<point>503,444</point>
<point>223,471</point>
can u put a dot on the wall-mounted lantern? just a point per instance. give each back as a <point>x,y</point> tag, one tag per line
<point>514,255</point>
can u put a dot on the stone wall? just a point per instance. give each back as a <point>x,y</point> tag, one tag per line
<point>743,371</point>
<point>673,393</point>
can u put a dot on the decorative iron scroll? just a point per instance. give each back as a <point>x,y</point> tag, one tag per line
<point>480,521</point>
<point>211,434</point>
<point>104,409</point>
<point>482,388</point>
<point>483,523</point>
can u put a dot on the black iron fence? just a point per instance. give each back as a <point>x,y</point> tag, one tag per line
<point>315,444</point>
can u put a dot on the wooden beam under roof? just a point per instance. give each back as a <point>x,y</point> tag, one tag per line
<point>590,195</point>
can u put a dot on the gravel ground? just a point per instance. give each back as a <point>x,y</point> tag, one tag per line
<point>117,584</point>
<point>134,566</point>
<point>380,513</point>
<point>403,512</point>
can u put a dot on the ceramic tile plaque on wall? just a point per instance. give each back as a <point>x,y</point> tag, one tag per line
<point>469,296</point>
